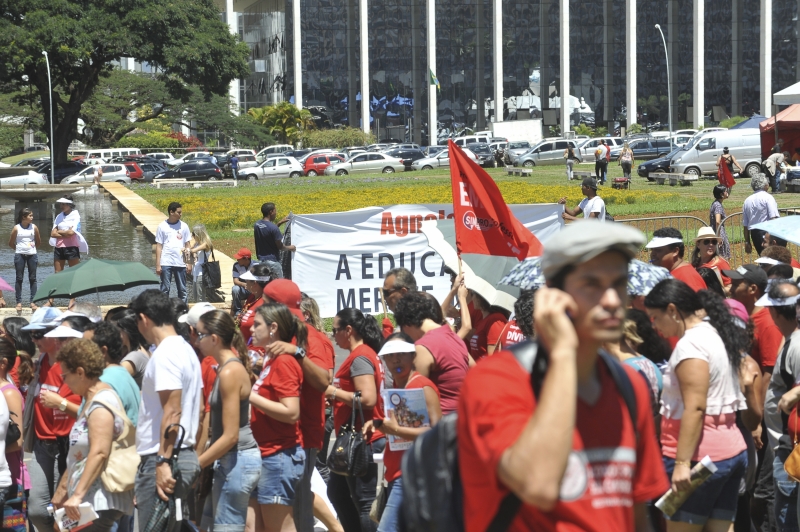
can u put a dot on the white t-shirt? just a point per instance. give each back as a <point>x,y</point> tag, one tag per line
<point>596,204</point>
<point>173,238</point>
<point>724,394</point>
<point>173,366</point>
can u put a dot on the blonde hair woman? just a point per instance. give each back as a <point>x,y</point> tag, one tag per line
<point>626,160</point>
<point>200,252</point>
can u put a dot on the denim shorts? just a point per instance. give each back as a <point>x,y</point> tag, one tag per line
<point>717,497</point>
<point>280,475</point>
<point>236,474</point>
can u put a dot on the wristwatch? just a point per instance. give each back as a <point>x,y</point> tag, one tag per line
<point>62,405</point>
<point>163,460</point>
<point>299,353</point>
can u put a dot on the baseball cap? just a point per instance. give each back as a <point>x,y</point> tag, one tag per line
<point>62,331</point>
<point>737,309</point>
<point>286,292</point>
<point>193,316</point>
<point>242,253</point>
<point>752,273</point>
<point>42,319</point>
<point>589,182</point>
<point>584,240</point>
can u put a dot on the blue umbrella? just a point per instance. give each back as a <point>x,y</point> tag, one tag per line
<point>787,228</point>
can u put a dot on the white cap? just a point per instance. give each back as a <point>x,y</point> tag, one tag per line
<point>766,301</point>
<point>767,260</point>
<point>64,200</point>
<point>397,346</point>
<point>62,331</point>
<point>661,241</point>
<point>193,316</point>
<point>248,276</point>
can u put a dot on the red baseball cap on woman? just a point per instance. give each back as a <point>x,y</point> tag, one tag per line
<point>286,292</point>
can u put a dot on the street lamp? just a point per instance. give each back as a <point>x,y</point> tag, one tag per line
<point>669,87</point>
<point>52,140</point>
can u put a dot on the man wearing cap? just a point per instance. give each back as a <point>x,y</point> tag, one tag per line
<point>667,250</point>
<point>239,293</point>
<point>269,239</point>
<point>172,241</point>
<point>782,395</point>
<point>317,366</point>
<point>571,454</point>
<point>759,207</point>
<point>592,206</point>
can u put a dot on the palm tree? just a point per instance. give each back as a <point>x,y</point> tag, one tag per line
<point>284,121</point>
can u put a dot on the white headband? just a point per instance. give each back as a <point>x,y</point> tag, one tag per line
<point>397,346</point>
<point>767,260</point>
<point>767,301</point>
<point>248,276</point>
<point>65,200</point>
<point>661,241</point>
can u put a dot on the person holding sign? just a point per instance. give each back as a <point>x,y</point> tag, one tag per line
<point>398,354</point>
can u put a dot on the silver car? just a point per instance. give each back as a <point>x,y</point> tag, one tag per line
<point>586,150</point>
<point>111,172</point>
<point>31,177</point>
<point>440,160</point>
<point>274,167</point>
<point>515,149</point>
<point>367,162</point>
<point>547,153</point>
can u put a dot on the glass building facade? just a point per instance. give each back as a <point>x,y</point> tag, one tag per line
<point>399,80</point>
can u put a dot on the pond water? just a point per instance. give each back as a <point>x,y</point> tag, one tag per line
<point>104,230</point>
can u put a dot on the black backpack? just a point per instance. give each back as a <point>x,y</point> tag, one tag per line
<point>432,492</point>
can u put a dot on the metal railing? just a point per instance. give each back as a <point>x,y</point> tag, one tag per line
<point>735,230</point>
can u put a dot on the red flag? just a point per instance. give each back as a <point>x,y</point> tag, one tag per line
<point>484,223</point>
<point>724,175</point>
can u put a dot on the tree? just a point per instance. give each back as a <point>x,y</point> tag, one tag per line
<point>186,42</point>
<point>337,138</point>
<point>284,121</point>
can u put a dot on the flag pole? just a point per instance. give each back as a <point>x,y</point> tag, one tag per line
<point>383,302</point>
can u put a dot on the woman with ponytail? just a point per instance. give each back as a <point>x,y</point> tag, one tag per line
<point>700,400</point>
<point>232,444</point>
<point>361,372</point>
<point>275,398</point>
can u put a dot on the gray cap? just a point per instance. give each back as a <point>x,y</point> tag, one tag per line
<point>589,182</point>
<point>584,240</point>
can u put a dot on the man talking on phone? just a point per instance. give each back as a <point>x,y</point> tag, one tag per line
<point>571,452</point>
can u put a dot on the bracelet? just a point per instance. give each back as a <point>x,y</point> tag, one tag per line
<point>687,463</point>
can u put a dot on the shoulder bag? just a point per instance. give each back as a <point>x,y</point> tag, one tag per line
<point>792,464</point>
<point>351,454</point>
<point>212,277</point>
<point>119,473</point>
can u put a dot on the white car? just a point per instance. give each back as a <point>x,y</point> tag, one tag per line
<point>239,152</point>
<point>367,162</point>
<point>32,177</point>
<point>275,149</point>
<point>188,157</point>
<point>164,157</point>
<point>111,172</point>
<point>274,167</point>
<point>440,160</point>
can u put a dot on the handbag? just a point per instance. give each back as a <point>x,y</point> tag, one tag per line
<point>212,277</point>
<point>351,456</point>
<point>119,473</point>
<point>13,432</point>
<point>792,463</point>
<point>379,504</point>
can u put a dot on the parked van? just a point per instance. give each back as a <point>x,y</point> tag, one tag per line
<point>472,139</point>
<point>106,155</point>
<point>701,157</point>
<point>275,149</point>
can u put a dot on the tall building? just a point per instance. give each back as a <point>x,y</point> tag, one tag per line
<point>371,63</point>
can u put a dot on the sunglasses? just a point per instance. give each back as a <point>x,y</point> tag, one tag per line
<point>37,335</point>
<point>335,330</point>
<point>200,336</point>
<point>708,241</point>
<point>387,293</point>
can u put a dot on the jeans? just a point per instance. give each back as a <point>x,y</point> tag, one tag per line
<point>235,476</point>
<point>145,486</point>
<point>352,496</point>
<point>32,262</point>
<point>281,474</point>
<point>786,502</point>
<point>304,499</point>
<point>50,461</point>
<point>570,162</point>
<point>390,520</point>
<point>626,169</point>
<point>274,266</point>
<point>235,173</point>
<point>198,290</point>
<point>600,170</point>
<point>179,273</point>
<point>238,296</point>
<point>105,522</point>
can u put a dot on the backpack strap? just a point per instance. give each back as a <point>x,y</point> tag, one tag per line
<point>624,387</point>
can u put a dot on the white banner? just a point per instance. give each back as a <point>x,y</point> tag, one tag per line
<point>342,257</point>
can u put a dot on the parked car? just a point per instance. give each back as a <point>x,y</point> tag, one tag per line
<point>440,160</point>
<point>484,152</point>
<point>660,164</point>
<point>316,164</point>
<point>547,153</point>
<point>274,167</point>
<point>240,152</point>
<point>188,157</point>
<point>430,151</point>
<point>406,155</point>
<point>111,173</point>
<point>150,170</point>
<point>297,153</point>
<point>701,158</point>
<point>201,170</point>
<point>134,171</point>
<point>587,148</point>
<point>31,177</point>
<point>367,162</point>
<point>275,149</point>
<point>34,161</point>
<point>62,170</point>
<point>161,156</point>
<point>515,149</point>
<point>319,151</point>
<point>645,149</point>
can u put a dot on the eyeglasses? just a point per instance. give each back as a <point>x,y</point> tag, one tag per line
<point>708,241</point>
<point>335,330</point>
<point>387,293</point>
<point>200,336</point>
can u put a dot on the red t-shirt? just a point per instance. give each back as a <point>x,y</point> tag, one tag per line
<point>312,402</point>
<point>719,264</point>
<point>208,370</point>
<point>342,412</point>
<point>767,339</point>
<point>689,275</point>
<point>246,321</point>
<point>281,377</point>
<point>795,264</point>
<point>51,423</point>
<point>608,471</point>
<point>511,335</point>
<point>392,459</point>
<point>485,333</point>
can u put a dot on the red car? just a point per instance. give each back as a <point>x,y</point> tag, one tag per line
<point>134,172</point>
<point>316,164</point>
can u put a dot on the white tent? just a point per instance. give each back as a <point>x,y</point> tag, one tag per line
<point>788,96</point>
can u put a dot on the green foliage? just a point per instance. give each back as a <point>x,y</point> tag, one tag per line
<point>555,131</point>
<point>601,131</point>
<point>157,141</point>
<point>732,121</point>
<point>337,138</point>
<point>635,128</point>
<point>583,129</point>
<point>283,120</point>
<point>11,139</point>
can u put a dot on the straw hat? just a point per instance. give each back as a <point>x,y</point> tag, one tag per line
<point>706,232</point>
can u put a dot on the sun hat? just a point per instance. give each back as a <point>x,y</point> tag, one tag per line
<point>661,241</point>
<point>193,316</point>
<point>42,319</point>
<point>396,346</point>
<point>65,200</point>
<point>766,301</point>
<point>62,331</point>
<point>706,233</point>
<point>248,276</point>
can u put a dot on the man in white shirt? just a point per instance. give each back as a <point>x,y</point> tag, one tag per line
<point>172,389</point>
<point>172,238</point>
<point>759,207</point>
<point>592,206</point>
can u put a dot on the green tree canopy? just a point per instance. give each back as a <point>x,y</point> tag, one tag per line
<point>186,41</point>
<point>284,121</point>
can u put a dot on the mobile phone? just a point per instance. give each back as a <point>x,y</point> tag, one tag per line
<point>377,423</point>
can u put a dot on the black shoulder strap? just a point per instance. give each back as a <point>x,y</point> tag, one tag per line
<point>624,386</point>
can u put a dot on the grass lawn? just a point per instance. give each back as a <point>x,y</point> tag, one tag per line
<point>21,156</point>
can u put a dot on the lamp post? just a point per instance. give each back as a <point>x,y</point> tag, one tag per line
<point>52,140</point>
<point>669,87</point>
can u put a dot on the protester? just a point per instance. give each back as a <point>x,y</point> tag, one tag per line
<point>25,241</point>
<point>667,250</point>
<point>523,311</point>
<point>101,422</point>
<point>310,309</point>
<point>625,350</point>
<point>108,337</point>
<point>398,354</point>
<point>772,240</point>
<point>712,280</point>
<point>361,372</point>
<point>653,347</point>
<point>758,207</point>
<point>269,240</point>
<point>171,394</point>
<point>276,417</point>
<point>601,162</point>
<point>569,160</point>
<point>570,453</point>
<point>65,237</point>
<point>202,249</point>
<point>397,283</point>
<point>592,206</point>
<point>15,509</point>
<point>706,253</point>
<point>626,160</point>
<point>256,279</point>
<point>21,373</point>
<point>441,355</point>
<point>486,332</point>
<point>172,242</point>
<point>465,314</point>
<point>716,215</point>
<point>137,348</point>
<point>232,446</point>
<point>239,293</point>
<point>729,160</point>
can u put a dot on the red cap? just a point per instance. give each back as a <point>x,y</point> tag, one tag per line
<point>242,253</point>
<point>286,292</point>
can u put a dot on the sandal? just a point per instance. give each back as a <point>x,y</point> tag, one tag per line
<point>34,307</point>
<point>19,309</point>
